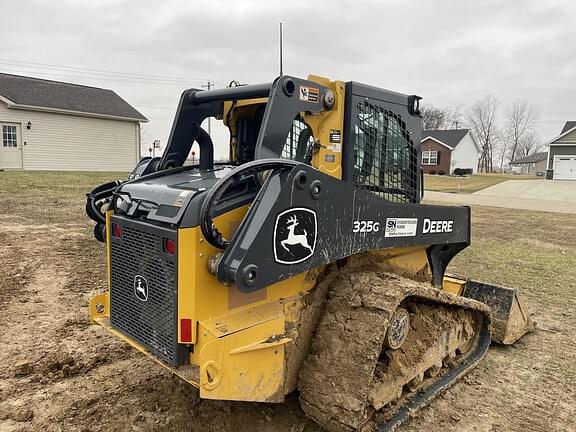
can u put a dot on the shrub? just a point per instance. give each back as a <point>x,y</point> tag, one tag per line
<point>441,172</point>
<point>432,172</point>
<point>463,171</point>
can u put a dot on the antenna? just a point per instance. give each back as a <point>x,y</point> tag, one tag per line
<point>281,49</point>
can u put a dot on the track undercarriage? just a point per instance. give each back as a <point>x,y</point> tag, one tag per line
<point>385,346</point>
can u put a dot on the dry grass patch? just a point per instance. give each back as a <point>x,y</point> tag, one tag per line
<point>526,250</point>
<point>48,196</point>
<point>469,184</point>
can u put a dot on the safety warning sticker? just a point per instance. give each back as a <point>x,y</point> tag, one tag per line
<point>335,136</point>
<point>309,94</point>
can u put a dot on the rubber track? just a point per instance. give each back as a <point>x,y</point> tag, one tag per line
<point>336,377</point>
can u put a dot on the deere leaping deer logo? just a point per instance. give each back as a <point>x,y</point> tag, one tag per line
<point>295,235</point>
<point>295,239</point>
<point>141,288</point>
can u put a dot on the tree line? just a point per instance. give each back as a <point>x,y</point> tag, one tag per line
<point>501,142</point>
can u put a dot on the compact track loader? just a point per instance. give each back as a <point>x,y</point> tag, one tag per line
<point>304,263</point>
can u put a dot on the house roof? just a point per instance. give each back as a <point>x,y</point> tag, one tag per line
<point>450,138</point>
<point>534,157</point>
<point>569,125</point>
<point>46,95</point>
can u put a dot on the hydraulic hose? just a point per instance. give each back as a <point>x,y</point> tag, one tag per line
<point>102,191</point>
<point>211,233</point>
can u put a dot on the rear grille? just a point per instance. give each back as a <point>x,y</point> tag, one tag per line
<point>137,259</point>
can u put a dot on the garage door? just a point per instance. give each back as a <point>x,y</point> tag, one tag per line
<point>565,168</point>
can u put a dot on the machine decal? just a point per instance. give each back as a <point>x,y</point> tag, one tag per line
<point>401,227</point>
<point>309,94</point>
<point>437,226</point>
<point>335,135</point>
<point>295,235</point>
<point>181,198</point>
<point>141,288</point>
<point>335,140</point>
<point>365,226</point>
<point>330,158</point>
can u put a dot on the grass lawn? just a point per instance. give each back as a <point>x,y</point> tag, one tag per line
<point>521,248</point>
<point>468,184</point>
<point>49,196</point>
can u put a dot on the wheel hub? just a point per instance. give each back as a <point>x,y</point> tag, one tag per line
<point>398,330</point>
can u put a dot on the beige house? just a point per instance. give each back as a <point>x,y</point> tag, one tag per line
<point>51,125</point>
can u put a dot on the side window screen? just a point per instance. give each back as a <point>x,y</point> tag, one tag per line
<point>299,143</point>
<point>384,156</point>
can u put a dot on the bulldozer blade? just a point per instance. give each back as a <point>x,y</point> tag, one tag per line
<point>510,319</point>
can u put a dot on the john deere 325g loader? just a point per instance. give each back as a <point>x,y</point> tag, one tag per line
<point>304,263</point>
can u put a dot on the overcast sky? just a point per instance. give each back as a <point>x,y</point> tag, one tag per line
<point>449,52</point>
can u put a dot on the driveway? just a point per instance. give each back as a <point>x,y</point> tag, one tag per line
<point>540,195</point>
<point>552,190</point>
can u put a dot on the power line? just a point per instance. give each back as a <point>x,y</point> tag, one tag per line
<point>58,72</point>
<point>158,107</point>
<point>59,75</point>
<point>27,64</point>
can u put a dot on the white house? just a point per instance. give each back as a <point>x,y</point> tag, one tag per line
<point>51,125</point>
<point>443,151</point>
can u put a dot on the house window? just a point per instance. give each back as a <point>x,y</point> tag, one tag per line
<point>9,138</point>
<point>430,157</point>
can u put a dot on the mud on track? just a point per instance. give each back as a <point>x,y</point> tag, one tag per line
<point>58,373</point>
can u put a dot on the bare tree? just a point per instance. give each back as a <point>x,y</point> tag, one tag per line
<point>503,147</point>
<point>482,118</point>
<point>441,118</point>
<point>434,118</point>
<point>528,144</point>
<point>520,122</point>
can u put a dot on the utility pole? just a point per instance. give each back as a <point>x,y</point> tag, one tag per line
<point>208,86</point>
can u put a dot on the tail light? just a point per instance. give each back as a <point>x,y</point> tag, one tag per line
<point>169,246</point>
<point>116,230</point>
<point>186,330</point>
